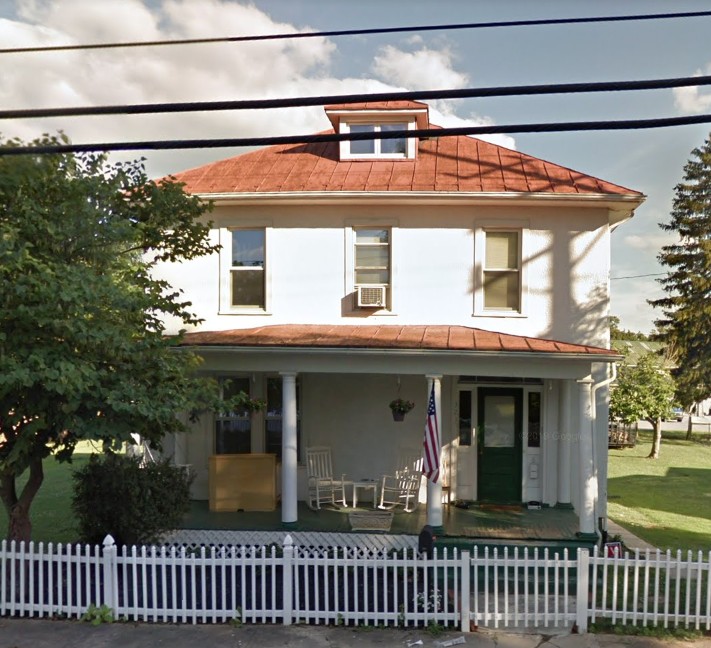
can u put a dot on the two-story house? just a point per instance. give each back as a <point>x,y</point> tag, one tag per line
<point>355,272</point>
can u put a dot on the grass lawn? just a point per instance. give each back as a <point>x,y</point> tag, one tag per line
<point>666,501</point>
<point>51,514</point>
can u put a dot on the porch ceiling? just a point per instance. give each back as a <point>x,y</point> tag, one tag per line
<point>396,338</point>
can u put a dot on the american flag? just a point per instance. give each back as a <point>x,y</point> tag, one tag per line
<point>430,465</point>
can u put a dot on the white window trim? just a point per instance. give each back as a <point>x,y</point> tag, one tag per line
<point>345,146</point>
<point>225,274</point>
<point>349,286</point>
<point>480,230</point>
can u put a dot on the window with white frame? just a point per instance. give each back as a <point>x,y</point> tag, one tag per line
<point>247,270</point>
<point>502,271</point>
<point>233,429</point>
<point>372,260</point>
<point>396,147</point>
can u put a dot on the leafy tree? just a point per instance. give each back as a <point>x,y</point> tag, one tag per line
<point>643,391</point>
<point>686,307</point>
<point>82,348</point>
<point>616,333</point>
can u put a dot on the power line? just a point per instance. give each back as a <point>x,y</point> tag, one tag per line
<point>155,145</point>
<point>359,32</point>
<point>260,104</point>
<point>653,274</point>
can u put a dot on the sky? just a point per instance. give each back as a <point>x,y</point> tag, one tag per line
<point>650,161</point>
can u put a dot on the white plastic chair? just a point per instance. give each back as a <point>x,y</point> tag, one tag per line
<point>403,487</point>
<point>323,488</point>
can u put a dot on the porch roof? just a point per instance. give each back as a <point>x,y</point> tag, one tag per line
<point>423,338</point>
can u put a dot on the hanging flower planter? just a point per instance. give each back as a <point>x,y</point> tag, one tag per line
<point>400,407</point>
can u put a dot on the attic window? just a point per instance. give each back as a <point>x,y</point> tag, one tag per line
<point>398,147</point>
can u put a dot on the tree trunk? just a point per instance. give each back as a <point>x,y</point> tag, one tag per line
<point>18,508</point>
<point>689,428</point>
<point>656,439</point>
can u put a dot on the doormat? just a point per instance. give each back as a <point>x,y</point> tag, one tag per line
<point>370,521</point>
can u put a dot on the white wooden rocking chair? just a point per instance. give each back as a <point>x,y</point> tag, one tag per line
<point>323,488</point>
<point>403,487</point>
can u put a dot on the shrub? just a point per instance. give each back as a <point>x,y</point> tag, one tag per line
<point>114,494</point>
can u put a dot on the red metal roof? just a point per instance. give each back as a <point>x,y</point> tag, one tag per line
<point>446,164</point>
<point>431,338</point>
<point>401,104</point>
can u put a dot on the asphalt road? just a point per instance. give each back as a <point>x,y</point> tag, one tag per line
<point>37,633</point>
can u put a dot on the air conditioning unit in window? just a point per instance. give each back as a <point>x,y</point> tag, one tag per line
<point>372,296</point>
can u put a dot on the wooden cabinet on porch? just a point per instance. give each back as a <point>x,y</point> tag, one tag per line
<point>243,482</point>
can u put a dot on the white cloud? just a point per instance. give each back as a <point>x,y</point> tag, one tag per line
<point>424,69</point>
<point>628,301</point>
<point>428,69</point>
<point>209,72</point>
<point>689,100</point>
<point>651,242</point>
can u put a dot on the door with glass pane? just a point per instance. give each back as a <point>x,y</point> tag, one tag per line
<point>499,444</point>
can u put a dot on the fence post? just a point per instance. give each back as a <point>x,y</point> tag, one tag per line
<point>581,597</point>
<point>108,561</point>
<point>465,569</point>
<point>288,581</point>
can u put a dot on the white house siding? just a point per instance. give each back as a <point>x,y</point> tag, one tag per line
<point>309,258</point>
<point>433,268</point>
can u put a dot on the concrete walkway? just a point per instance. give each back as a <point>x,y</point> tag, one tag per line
<point>630,540</point>
<point>33,633</point>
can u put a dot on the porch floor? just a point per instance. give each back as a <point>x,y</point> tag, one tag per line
<point>479,524</point>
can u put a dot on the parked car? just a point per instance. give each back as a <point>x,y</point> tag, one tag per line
<point>677,414</point>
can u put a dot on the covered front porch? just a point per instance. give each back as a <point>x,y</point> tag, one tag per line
<point>515,415</point>
<point>465,525</point>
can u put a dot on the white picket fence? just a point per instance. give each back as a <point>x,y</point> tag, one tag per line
<point>512,588</point>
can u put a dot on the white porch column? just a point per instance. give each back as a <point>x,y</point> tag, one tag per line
<point>434,491</point>
<point>564,446</point>
<point>588,481</point>
<point>289,459</point>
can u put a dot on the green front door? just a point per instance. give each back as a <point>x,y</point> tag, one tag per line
<point>500,425</point>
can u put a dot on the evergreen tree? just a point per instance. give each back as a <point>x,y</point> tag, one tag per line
<point>686,323</point>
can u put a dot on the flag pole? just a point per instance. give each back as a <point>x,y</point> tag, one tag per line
<point>431,465</point>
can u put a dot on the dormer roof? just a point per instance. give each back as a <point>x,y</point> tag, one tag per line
<point>379,109</point>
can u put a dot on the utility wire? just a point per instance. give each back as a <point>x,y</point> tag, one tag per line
<point>260,104</point>
<point>359,32</point>
<point>155,145</point>
<point>653,274</point>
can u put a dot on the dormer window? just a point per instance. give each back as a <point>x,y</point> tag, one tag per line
<point>377,118</point>
<point>378,148</point>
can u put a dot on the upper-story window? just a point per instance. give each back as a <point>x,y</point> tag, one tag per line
<point>247,284</point>
<point>397,147</point>
<point>372,267</point>
<point>502,271</point>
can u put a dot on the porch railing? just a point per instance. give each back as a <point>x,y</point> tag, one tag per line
<point>511,588</point>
